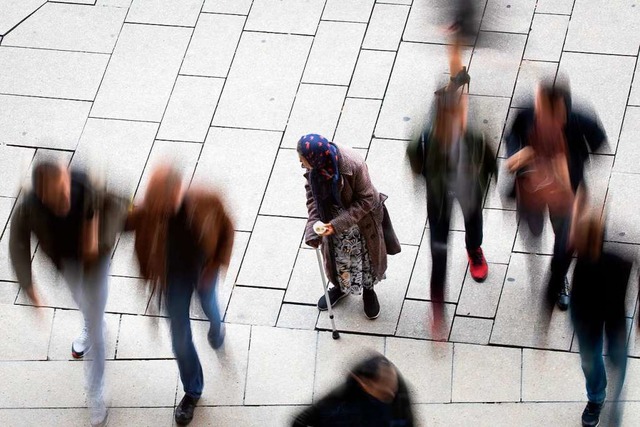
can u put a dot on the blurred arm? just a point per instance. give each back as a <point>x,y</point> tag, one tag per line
<point>20,246</point>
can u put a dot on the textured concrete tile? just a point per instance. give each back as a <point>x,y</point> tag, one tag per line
<point>213,45</point>
<point>69,27</point>
<point>348,10</point>
<point>391,174</point>
<point>27,332</point>
<point>527,242</point>
<point>357,122</point>
<point>127,295</point>
<point>296,316</point>
<point>495,63</point>
<point>610,27</point>
<point>372,73</point>
<point>263,81</point>
<point>142,383</point>
<point>426,366</point>
<point>190,110</point>
<point>254,306</point>
<point>604,81</point>
<point>634,96</point>
<point>140,416</point>
<point>315,110</point>
<point>238,7</point>
<point>259,267</point>
<point>486,374</point>
<point>47,73</point>
<point>562,7</point>
<point>488,115</point>
<point>285,16</point>
<point>622,202</point>
<point>144,337</point>
<point>141,73</point>
<point>349,315</point>
<point>117,150</point>
<point>386,27</point>
<point>8,292</point>
<point>457,262</point>
<point>334,358</point>
<point>628,156</point>
<point>243,184</point>
<point>305,284</point>
<point>249,416</point>
<point>471,330</point>
<point>14,167</point>
<point>287,367</point>
<point>530,75</point>
<point>498,193</point>
<point>521,319</point>
<point>6,206</point>
<point>228,279</point>
<point>42,122</point>
<point>416,321</point>
<point>15,11</point>
<point>481,299</point>
<point>546,37</point>
<point>166,12</point>
<point>285,193</point>
<point>507,16</point>
<point>500,228</point>
<point>597,171</point>
<point>551,376</point>
<point>334,53</point>
<point>124,261</point>
<point>72,417</point>
<point>67,326</point>
<point>405,2</point>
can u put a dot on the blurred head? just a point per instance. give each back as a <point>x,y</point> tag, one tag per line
<point>52,185</point>
<point>552,102</point>
<point>451,115</point>
<point>164,190</point>
<point>378,377</point>
<point>588,235</point>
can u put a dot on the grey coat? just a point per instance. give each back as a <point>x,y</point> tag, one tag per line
<point>364,206</point>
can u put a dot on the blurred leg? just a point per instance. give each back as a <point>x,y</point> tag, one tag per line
<point>590,335</point>
<point>209,301</point>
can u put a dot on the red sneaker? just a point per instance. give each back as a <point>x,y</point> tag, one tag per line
<point>478,265</point>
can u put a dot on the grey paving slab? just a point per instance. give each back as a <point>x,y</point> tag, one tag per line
<point>27,334</point>
<point>551,376</point>
<point>190,110</point>
<point>42,122</point>
<point>124,262</point>
<point>357,122</point>
<point>622,202</point>
<point>14,11</point>
<point>47,73</point>
<point>8,292</point>
<point>239,7</point>
<point>334,358</point>
<point>114,3</point>
<point>254,306</point>
<point>142,383</point>
<point>521,319</point>
<point>471,330</point>
<point>165,12</point>
<point>144,337</point>
<point>563,7</point>
<point>213,45</point>
<point>250,416</point>
<point>127,295</point>
<point>426,366</point>
<point>634,96</point>
<point>6,206</point>
<point>244,184</point>
<point>372,73</point>
<point>288,367</point>
<point>498,193</point>
<point>263,81</point>
<point>227,279</point>
<point>315,110</point>
<point>499,234</point>
<point>348,10</point>
<point>491,374</point>
<point>481,299</point>
<point>334,53</point>
<point>488,115</point>
<point>628,156</point>
<point>305,284</point>
<point>495,63</point>
<point>416,321</point>
<point>391,174</point>
<point>50,285</point>
<point>141,73</point>
<point>386,27</point>
<point>259,268</point>
<point>14,167</point>
<point>546,37</point>
<point>69,27</point>
<point>349,314</point>
<point>509,17</point>
<point>116,149</point>
<point>597,171</point>
<point>610,27</point>
<point>457,262</point>
<point>67,326</point>
<point>631,380</point>
<point>73,417</point>
<point>603,81</point>
<point>528,243</point>
<point>285,16</point>
<point>285,193</point>
<point>530,75</point>
<point>294,316</point>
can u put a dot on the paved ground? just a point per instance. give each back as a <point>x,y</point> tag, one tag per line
<point>224,88</point>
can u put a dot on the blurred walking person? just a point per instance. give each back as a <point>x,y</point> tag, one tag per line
<point>182,240</point>
<point>358,233</point>
<point>76,226</point>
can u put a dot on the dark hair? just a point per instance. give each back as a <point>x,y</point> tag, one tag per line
<point>555,92</point>
<point>370,367</point>
<point>42,172</point>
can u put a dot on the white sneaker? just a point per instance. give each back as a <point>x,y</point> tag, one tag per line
<point>81,345</point>
<point>99,414</point>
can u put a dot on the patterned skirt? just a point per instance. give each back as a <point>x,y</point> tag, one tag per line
<point>353,263</point>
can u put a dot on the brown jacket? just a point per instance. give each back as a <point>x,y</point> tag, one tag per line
<point>364,206</point>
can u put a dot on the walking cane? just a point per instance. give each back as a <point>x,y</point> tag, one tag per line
<point>325,286</point>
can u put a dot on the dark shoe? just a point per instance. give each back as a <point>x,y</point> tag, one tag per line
<point>563,296</point>
<point>591,414</point>
<point>216,336</point>
<point>371,304</point>
<point>335,295</point>
<point>478,265</point>
<point>460,79</point>
<point>184,411</point>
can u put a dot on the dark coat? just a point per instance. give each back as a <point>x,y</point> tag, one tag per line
<point>364,206</point>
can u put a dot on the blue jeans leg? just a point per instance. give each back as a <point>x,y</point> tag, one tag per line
<point>590,339</point>
<point>178,301</point>
<point>209,301</point>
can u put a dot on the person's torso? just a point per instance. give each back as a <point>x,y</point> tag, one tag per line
<point>184,255</point>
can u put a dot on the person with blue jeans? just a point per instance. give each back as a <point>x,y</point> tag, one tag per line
<point>182,240</point>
